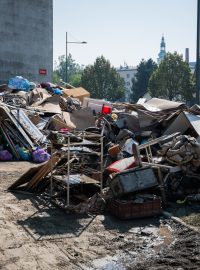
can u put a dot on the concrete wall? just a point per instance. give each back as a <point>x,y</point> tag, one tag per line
<point>26,39</point>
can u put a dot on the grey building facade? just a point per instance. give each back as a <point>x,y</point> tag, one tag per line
<point>127,73</point>
<point>26,39</point>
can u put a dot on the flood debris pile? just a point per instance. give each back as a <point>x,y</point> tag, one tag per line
<point>129,159</point>
<point>28,113</point>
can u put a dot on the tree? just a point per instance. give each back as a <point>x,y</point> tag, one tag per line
<point>76,79</point>
<point>172,80</point>
<point>56,77</point>
<point>74,70</point>
<point>102,80</point>
<point>141,79</point>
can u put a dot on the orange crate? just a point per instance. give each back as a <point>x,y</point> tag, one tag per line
<point>129,209</point>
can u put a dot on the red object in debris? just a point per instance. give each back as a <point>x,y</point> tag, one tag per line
<point>42,71</point>
<point>64,130</point>
<point>121,165</point>
<point>106,109</point>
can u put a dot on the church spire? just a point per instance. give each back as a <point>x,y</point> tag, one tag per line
<point>162,52</point>
<point>162,44</point>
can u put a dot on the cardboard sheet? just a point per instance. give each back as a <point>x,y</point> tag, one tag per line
<point>49,105</point>
<point>57,122</point>
<point>83,118</point>
<point>38,96</point>
<point>68,121</point>
<point>79,93</point>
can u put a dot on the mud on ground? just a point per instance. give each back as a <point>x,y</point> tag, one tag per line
<point>36,235</point>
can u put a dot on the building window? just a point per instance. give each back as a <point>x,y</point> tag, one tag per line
<point>128,75</point>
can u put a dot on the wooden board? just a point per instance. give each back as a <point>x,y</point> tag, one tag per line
<point>25,177</point>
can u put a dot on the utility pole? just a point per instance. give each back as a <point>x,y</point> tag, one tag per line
<point>198,54</point>
<point>66,59</point>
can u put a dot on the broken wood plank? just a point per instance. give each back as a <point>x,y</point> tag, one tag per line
<point>43,172</point>
<point>25,177</point>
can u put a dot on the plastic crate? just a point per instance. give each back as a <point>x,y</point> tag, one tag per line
<point>129,209</point>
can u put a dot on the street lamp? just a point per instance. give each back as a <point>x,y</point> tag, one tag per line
<point>77,42</point>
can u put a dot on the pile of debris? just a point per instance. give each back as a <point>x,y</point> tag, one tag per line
<point>130,159</point>
<point>30,112</point>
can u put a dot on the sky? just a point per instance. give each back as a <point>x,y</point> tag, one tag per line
<point>123,31</point>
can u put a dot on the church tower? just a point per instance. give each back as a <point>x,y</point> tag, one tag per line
<point>162,52</point>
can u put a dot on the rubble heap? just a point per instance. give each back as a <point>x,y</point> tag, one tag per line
<point>130,159</point>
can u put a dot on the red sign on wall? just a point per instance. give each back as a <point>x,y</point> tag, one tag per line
<point>42,71</point>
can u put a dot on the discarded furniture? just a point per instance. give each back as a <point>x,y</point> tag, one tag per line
<point>129,209</point>
<point>183,122</point>
<point>147,146</point>
<point>73,150</point>
<point>133,180</point>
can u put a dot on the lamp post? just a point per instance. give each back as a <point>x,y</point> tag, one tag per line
<point>76,42</point>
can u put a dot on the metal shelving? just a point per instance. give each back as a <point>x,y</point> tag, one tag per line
<point>73,150</point>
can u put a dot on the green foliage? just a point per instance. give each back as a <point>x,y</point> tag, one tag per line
<point>172,80</point>
<point>76,79</point>
<point>56,77</point>
<point>74,70</point>
<point>102,80</point>
<point>141,79</point>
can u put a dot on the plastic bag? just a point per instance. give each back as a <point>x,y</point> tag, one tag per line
<point>5,155</point>
<point>24,153</point>
<point>40,155</point>
<point>57,91</point>
<point>19,83</point>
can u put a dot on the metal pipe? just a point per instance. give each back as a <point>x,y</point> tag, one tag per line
<point>101,175</point>
<point>51,179</point>
<point>68,169</point>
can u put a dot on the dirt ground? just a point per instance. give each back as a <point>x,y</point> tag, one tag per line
<point>36,235</point>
